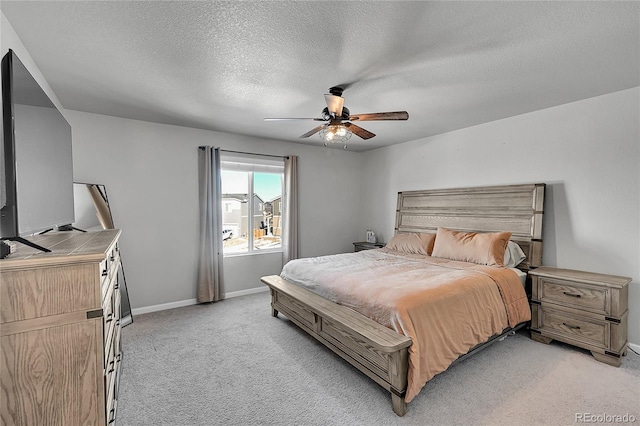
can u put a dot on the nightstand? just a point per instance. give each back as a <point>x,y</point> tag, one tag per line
<point>363,245</point>
<point>583,309</point>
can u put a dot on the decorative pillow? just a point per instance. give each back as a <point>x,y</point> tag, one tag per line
<point>513,255</point>
<point>476,247</point>
<point>412,243</point>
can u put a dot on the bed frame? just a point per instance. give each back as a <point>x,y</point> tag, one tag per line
<point>377,351</point>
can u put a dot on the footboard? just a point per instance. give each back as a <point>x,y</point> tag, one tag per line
<point>377,351</point>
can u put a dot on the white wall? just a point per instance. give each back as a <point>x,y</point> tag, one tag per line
<point>588,154</point>
<point>10,40</point>
<point>150,171</point>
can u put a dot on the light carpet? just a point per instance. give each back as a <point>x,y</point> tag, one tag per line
<point>231,363</point>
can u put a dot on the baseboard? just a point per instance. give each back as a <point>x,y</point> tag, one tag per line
<point>246,292</point>
<point>163,306</point>
<point>635,347</point>
<point>188,302</point>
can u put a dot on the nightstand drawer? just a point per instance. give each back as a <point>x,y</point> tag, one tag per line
<point>576,295</point>
<point>575,327</point>
<point>363,245</point>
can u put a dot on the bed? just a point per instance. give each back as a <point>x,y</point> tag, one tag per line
<point>381,331</point>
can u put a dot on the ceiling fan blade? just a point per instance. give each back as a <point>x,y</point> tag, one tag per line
<point>364,134</point>
<point>396,115</point>
<point>313,131</point>
<point>334,104</point>
<point>289,119</point>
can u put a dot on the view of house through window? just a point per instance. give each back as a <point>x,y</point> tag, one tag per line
<point>251,207</point>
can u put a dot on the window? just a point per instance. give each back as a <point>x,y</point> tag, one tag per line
<point>251,200</point>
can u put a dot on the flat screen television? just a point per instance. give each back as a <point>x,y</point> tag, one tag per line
<point>37,181</point>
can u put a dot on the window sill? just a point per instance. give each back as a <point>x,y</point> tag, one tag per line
<point>253,253</point>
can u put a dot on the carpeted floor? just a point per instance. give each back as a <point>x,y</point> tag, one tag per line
<point>231,363</point>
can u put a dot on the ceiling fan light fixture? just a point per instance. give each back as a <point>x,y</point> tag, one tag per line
<point>335,133</point>
<point>338,126</point>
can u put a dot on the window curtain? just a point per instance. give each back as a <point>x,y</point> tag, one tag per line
<point>290,210</point>
<point>210,274</point>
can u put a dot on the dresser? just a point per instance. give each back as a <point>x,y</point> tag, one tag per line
<point>583,309</point>
<point>60,331</point>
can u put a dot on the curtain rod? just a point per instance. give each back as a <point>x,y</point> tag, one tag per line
<point>253,153</point>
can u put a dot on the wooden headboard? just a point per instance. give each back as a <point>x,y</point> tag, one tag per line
<point>514,208</point>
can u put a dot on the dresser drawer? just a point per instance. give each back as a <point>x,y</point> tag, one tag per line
<point>110,406</point>
<point>113,358</point>
<point>116,344</point>
<point>104,276</point>
<point>109,269</point>
<point>115,341</point>
<point>108,318</point>
<point>110,361</point>
<point>582,329</point>
<point>114,264</point>
<point>576,295</point>
<point>112,321</point>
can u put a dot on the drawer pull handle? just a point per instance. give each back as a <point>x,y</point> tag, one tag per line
<point>571,294</point>
<point>575,327</point>
<point>104,272</point>
<point>109,318</point>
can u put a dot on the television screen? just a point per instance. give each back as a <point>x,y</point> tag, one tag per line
<point>38,163</point>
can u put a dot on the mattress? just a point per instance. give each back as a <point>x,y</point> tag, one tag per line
<point>445,307</point>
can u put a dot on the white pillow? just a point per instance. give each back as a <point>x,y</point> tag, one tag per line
<point>513,255</point>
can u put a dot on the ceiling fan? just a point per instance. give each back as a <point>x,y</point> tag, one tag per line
<point>338,127</point>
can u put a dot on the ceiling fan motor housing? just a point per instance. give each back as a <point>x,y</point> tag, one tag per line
<point>326,115</point>
<point>336,90</point>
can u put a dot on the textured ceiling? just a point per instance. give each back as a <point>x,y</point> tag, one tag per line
<point>226,65</point>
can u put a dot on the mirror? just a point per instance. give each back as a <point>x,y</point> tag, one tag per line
<point>92,213</point>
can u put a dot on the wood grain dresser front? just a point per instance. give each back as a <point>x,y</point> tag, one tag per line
<point>60,331</point>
